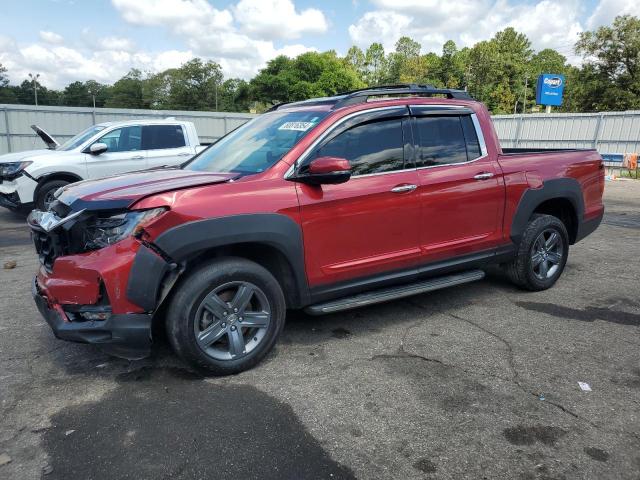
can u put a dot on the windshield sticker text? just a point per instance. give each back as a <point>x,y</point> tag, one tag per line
<point>299,126</point>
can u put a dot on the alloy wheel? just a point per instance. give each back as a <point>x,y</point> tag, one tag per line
<point>546,254</point>
<point>232,320</point>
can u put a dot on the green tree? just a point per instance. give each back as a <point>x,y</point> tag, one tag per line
<point>234,95</point>
<point>452,66</point>
<point>127,92</point>
<point>25,94</point>
<point>7,94</point>
<point>376,65</point>
<point>356,60</point>
<point>497,70</point>
<point>77,94</point>
<point>195,85</point>
<point>406,51</point>
<point>311,74</point>
<point>611,65</point>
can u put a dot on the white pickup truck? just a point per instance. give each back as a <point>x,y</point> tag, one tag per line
<point>32,177</point>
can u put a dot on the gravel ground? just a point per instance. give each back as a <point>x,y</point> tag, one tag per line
<point>477,381</point>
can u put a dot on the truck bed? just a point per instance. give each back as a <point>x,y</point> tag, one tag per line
<point>519,151</point>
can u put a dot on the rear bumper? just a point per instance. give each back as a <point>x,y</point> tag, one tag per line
<point>121,335</point>
<point>587,227</point>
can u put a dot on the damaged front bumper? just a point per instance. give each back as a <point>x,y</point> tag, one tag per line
<point>121,335</point>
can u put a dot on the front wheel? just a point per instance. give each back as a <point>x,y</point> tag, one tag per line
<point>542,254</point>
<point>226,316</point>
<point>46,191</point>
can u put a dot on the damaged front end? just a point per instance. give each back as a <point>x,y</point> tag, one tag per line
<point>99,281</point>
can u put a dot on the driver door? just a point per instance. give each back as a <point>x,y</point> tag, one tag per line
<point>369,225</point>
<point>124,153</point>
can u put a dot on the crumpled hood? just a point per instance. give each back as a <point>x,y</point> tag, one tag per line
<point>122,191</point>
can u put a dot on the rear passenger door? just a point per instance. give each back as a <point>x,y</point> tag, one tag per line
<point>165,145</point>
<point>368,225</point>
<point>461,188</point>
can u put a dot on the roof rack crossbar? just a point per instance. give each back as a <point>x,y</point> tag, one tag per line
<point>362,95</point>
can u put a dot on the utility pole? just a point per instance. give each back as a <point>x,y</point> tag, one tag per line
<point>466,78</point>
<point>216,95</point>
<point>526,81</point>
<point>34,79</point>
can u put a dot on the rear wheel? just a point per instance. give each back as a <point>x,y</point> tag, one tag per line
<point>226,316</point>
<point>44,197</point>
<point>542,254</point>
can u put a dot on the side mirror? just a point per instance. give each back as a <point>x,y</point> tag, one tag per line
<point>98,148</point>
<point>326,170</point>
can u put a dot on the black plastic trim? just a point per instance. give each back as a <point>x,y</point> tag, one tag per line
<point>438,111</point>
<point>558,188</point>
<point>272,229</point>
<point>145,278</point>
<point>476,260</point>
<point>588,227</point>
<point>8,200</point>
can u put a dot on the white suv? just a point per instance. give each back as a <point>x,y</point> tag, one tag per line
<point>32,177</point>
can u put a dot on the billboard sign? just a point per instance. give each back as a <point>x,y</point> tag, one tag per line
<point>550,89</point>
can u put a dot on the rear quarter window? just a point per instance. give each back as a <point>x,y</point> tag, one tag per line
<point>155,137</point>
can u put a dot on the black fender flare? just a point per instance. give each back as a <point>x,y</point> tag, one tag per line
<point>41,180</point>
<point>189,239</point>
<point>557,188</point>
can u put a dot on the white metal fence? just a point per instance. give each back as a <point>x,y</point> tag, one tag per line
<point>609,132</point>
<point>64,122</point>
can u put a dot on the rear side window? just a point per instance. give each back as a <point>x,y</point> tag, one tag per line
<point>440,141</point>
<point>156,137</point>
<point>471,137</point>
<point>370,148</point>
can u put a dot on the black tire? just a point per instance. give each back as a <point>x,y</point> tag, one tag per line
<point>46,191</point>
<point>524,271</point>
<point>186,314</point>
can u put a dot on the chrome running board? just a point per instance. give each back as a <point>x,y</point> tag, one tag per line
<point>393,293</point>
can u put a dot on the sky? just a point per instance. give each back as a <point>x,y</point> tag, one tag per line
<point>69,40</point>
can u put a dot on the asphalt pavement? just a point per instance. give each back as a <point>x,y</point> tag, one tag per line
<point>477,381</point>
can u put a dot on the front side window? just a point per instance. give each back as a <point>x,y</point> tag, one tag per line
<point>375,147</point>
<point>258,144</point>
<point>446,140</point>
<point>156,137</point>
<point>125,139</point>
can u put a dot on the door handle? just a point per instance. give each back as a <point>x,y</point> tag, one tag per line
<point>483,176</point>
<point>404,188</point>
<point>185,154</point>
<point>137,157</point>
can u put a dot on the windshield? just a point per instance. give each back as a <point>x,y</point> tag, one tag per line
<point>258,144</point>
<point>80,138</point>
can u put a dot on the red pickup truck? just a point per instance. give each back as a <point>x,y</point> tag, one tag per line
<point>324,205</point>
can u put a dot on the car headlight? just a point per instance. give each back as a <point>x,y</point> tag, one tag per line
<point>12,170</point>
<point>106,231</point>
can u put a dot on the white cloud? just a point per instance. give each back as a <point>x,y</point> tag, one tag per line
<point>51,37</point>
<point>242,45</point>
<point>607,10</point>
<point>60,65</point>
<point>116,43</point>
<point>272,19</point>
<point>547,23</point>
<point>381,26</point>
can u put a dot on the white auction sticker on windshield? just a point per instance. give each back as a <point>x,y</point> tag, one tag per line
<point>299,126</point>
